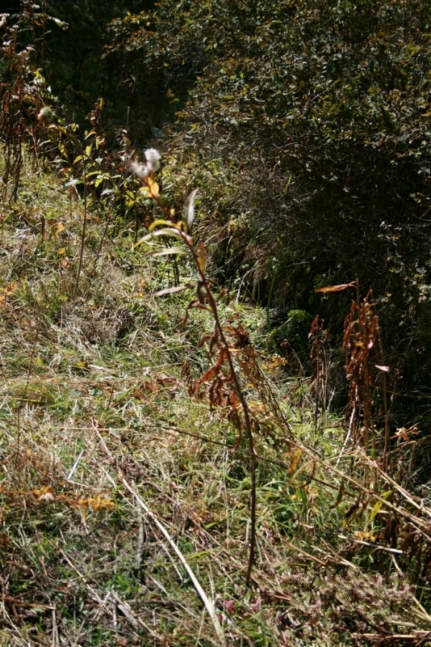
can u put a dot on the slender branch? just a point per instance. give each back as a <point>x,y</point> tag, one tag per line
<point>244,406</point>
<point>209,606</point>
<point>82,244</point>
<point>233,374</point>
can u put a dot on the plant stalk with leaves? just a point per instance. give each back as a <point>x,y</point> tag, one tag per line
<point>222,378</point>
<point>364,363</point>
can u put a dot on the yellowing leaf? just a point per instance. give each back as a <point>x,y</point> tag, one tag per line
<point>59,228</point>
<point>153,187</point>
<point>144,191</point>
<point>295,459</point>
<point>378,505</point>
<point>201,257</point>
<point>364,535</point>
<point>43,493</point>
<point>159,223</point>
<point>376,509</point>
<point>337,288</point>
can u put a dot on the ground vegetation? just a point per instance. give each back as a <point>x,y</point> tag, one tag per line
<point>177,325</point>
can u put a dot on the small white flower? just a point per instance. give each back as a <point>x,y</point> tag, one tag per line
<point>144,169</point>
<point>153,158</point>
<point>140,170</point>
<point>45,114</point>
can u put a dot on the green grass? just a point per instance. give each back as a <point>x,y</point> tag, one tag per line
<point>96,418</point>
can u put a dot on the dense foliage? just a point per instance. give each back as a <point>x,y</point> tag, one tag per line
<point>160,462</point>
<point>305,126</point>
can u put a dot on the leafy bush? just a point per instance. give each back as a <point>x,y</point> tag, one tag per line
<point>307,130</point>
<point>305,126</point>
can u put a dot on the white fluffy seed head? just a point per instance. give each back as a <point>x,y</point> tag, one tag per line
<point>141,170</point>
<point>153,157</point>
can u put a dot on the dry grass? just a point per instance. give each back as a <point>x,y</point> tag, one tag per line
<point>125,503</point>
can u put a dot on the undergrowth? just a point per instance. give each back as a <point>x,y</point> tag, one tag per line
<point>151,492</point>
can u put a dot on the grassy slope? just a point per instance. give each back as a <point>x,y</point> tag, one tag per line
<point>97,425</point>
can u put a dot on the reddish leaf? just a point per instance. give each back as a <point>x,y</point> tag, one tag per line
<point>337,288</point>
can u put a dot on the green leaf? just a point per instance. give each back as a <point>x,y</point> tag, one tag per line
<point>159,223</point>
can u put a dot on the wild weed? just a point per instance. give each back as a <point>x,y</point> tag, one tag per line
<point>25,98</point>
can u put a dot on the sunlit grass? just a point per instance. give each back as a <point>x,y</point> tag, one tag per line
<point>95,397</point>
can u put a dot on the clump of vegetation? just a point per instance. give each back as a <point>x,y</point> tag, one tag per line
<point>316,117</point>
<point>149,447</point>
<point>165,480</point>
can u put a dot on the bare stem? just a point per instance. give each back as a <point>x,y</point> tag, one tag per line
<point>243,402</point>
<point>248,425</point>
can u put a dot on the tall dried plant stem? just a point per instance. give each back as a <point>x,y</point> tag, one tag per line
<point>248,424</point>
<point>82,243</point>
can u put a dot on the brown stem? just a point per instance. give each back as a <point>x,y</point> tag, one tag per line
<point>82,244</point>
<point>244,406</point>
<point>236,382</point>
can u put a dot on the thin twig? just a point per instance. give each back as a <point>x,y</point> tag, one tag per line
<point>82,243</point>
<point>55,641</point>
<point>248,424</point>
<point>348,435</point>
<point>210,299</point>
<point>416,638</point>
<point>419,523</point>
<point>209,606</point>
<point>420,507</point>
